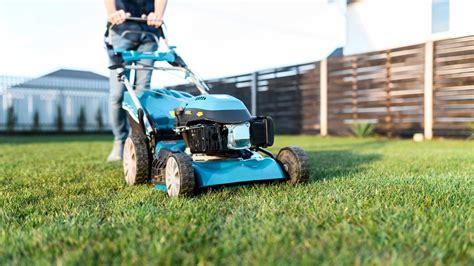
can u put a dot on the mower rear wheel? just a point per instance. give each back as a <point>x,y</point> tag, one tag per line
<point>295,163</point>
<point>136,161</point>
<point>179,175</point>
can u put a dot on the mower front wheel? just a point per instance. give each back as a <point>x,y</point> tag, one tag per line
<point>179,175</point>
<point>295,163</point>
<point>136,161</point>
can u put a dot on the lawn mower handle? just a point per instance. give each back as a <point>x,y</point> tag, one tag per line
<point>143,21</point>
<point>136,19</point>
<point>139,20</point>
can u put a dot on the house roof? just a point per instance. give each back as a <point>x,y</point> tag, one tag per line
<point>67,80</point>
<point>75,74</point>
<point>337,52</point>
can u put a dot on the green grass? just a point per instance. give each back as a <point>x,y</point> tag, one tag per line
<point>369,201</point>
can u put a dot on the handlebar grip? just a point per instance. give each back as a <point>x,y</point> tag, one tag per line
<point>136,19</point>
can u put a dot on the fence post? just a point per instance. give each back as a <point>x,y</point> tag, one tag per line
<point>428,91</point>
<point>253,93</point>
<point>323,86</point>
<point>388,124</point>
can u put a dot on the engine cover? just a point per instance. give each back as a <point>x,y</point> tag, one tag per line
<point>215,108</point>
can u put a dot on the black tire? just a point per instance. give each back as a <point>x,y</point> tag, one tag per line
<point>179,175</point>
<point>136,161</point>
<point>295,163</point>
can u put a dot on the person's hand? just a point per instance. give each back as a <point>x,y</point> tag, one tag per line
<point>154,20</point>
<point>118,17</point>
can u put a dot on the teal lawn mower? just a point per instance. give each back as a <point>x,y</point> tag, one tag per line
<point>184,143</point>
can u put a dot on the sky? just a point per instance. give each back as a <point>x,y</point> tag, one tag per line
<point>216,38</point>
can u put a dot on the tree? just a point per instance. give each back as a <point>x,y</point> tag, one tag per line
<point>11,119</point>
<point>82,120</point>
<point>59,121</point>
<point>36,122</point>
<point>99,120</point>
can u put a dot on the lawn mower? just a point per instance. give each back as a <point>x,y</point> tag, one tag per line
<point>184,143</point>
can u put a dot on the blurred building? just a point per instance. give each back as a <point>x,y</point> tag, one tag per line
<point>64,91</point>
<point>373,25</point>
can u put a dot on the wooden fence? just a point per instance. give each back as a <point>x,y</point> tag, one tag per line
<point>426,88</point>
<point>383,88</point>
<point>453,85</point>
<point>290,95</point>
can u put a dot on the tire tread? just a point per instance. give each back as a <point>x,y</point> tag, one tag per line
<point>142,155</point>
<point>186,171</point>
<point>298,161</point>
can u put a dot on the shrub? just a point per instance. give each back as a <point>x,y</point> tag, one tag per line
<point>362,130</point>
<point>11,119</point>
<point>36,122</point>
<point>81,120</point>
<point>99,120</point>
<point>59,121</point>
<point>471,130</point>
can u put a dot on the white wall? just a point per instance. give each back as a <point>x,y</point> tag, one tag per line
<point>462,17</point>
<point>382,24</point>
<point>26,101</point>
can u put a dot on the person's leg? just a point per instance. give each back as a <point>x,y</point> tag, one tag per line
<point>143,77</point>
<point>118,116</point>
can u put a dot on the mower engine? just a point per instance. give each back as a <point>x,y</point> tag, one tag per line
<point>221,125</point>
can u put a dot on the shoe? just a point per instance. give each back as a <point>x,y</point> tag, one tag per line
<point>117,152</point>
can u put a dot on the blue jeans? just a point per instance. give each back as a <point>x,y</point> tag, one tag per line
<point>118,116</point>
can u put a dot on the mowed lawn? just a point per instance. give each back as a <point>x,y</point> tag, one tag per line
<point>369,201</point>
